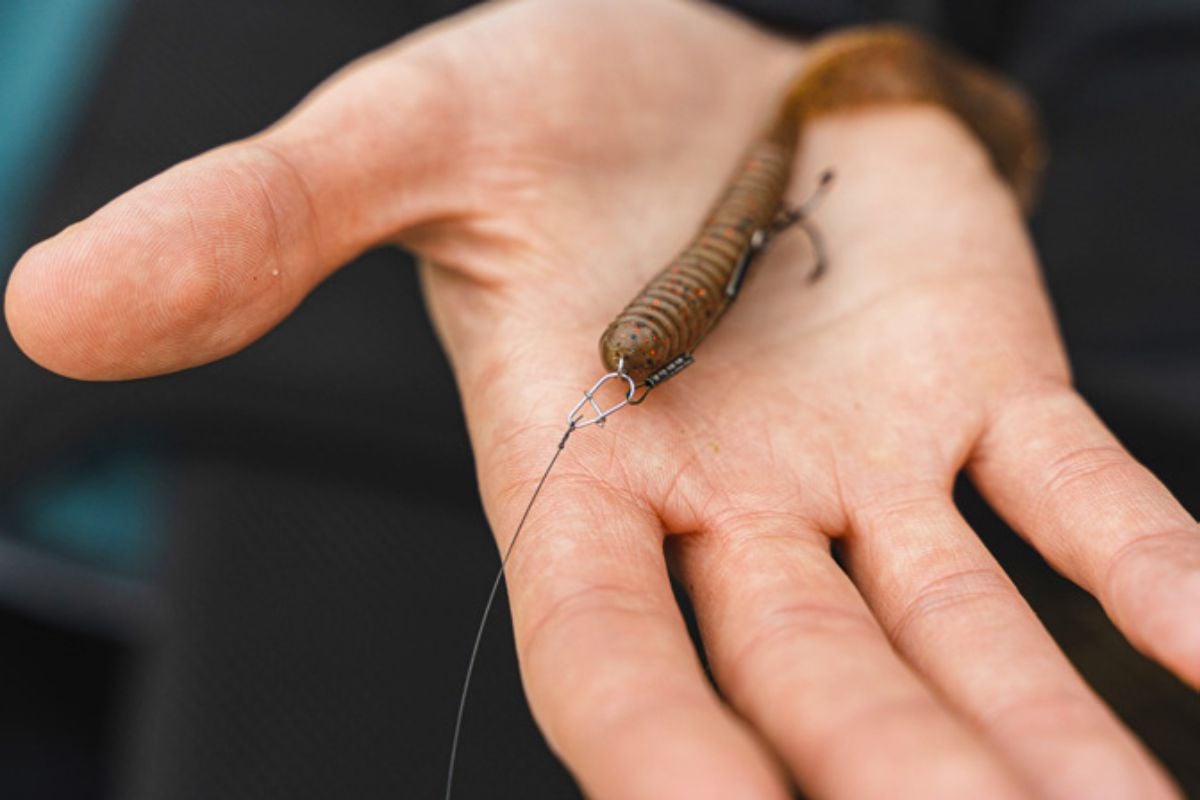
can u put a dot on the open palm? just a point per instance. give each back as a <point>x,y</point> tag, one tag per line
<point>544,159</point>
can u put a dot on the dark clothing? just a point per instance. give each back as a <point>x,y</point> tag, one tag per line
<point>327,556</point>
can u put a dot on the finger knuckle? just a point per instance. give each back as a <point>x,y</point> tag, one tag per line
<point>582,611</point>
<point>1087,466</point>
<point>280,198</point>
<point>786,632</point>
<point>1170,543</point>
<point>745,538</point>
<point>861,727</point>
<point>954,592</point>
<point>1035,713</point>
<point>893,506</point>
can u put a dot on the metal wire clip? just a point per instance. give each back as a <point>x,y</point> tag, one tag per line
<point>575,419</point>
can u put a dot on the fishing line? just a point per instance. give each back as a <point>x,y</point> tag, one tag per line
<point>487,609</point>
<point>576,419</point>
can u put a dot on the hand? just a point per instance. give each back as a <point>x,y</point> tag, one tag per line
<point>548,157</point>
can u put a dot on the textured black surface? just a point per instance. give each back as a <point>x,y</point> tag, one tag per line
<point>328,557</point>
<point>317,643</point>
<point>61,703</point>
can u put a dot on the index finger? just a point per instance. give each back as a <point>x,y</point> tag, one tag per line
<point>609,668</point>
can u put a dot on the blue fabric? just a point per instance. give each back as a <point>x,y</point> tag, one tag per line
<point>104,509</point>
<point>48,51</point>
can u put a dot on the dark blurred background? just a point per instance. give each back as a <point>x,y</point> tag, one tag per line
<point>260,578</point>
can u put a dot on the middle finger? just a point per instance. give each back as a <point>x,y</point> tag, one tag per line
<point>796,650</point>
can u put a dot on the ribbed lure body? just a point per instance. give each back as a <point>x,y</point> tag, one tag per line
<point>677,307</point>
<point>859,67</point>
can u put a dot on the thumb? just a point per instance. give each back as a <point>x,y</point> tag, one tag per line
<point>203,259</point>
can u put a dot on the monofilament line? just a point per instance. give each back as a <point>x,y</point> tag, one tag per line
<point>462,702</point>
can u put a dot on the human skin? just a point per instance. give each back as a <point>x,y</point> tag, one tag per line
<point>543,158</point>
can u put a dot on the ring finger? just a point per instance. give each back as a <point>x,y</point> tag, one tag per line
<point>954,615</point>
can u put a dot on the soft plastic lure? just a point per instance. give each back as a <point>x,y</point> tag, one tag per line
<point>653,339</point>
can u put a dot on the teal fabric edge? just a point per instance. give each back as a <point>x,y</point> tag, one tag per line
<point>105,511</point>
<point>49,51</point>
